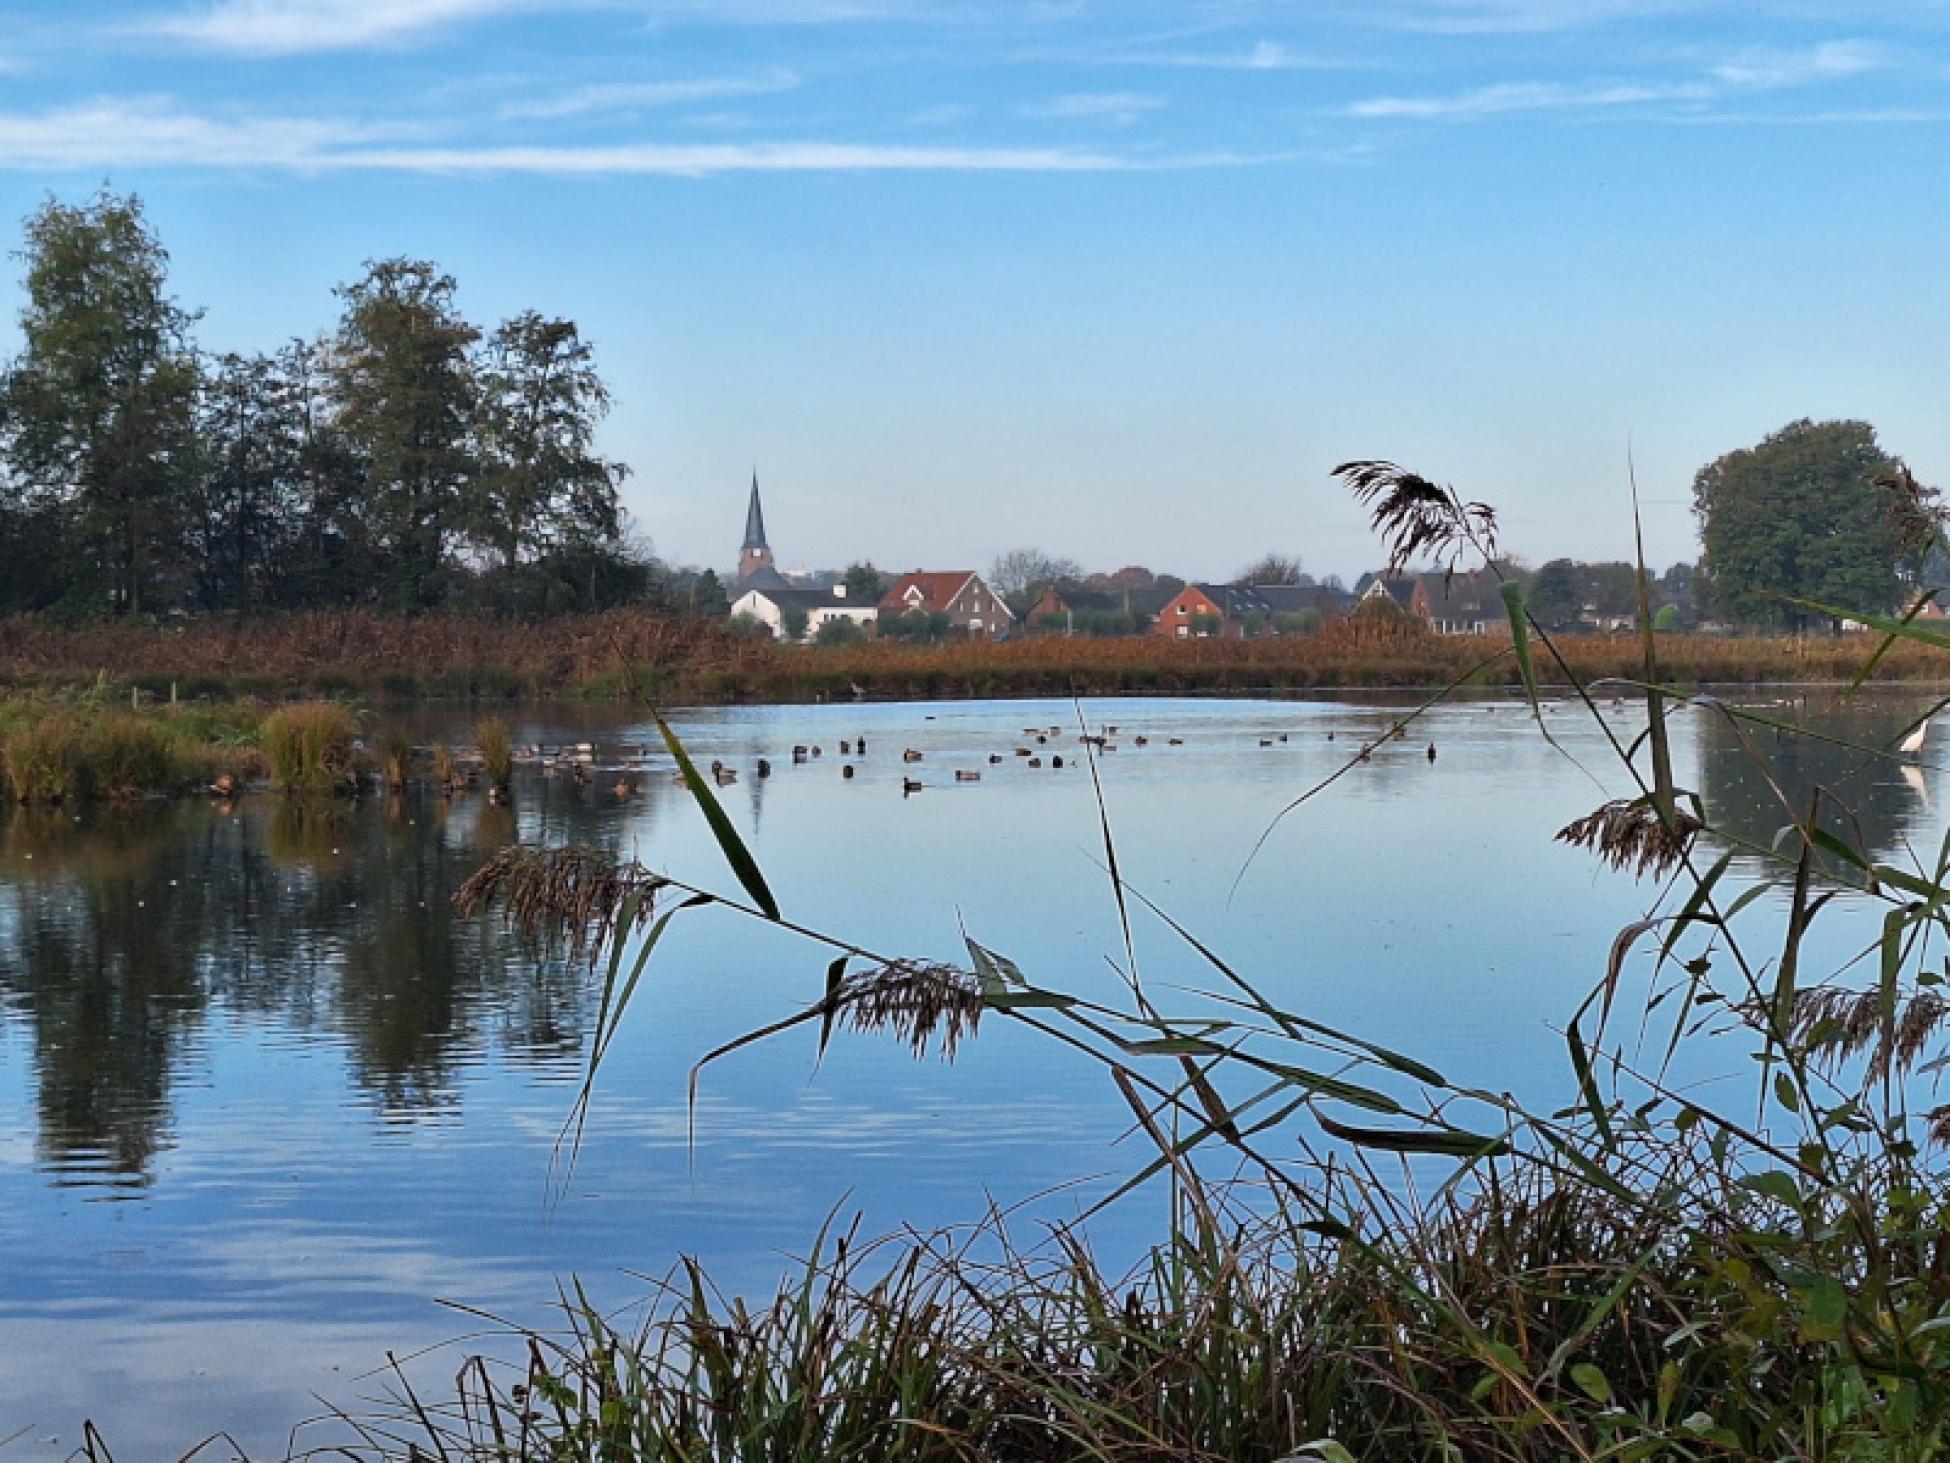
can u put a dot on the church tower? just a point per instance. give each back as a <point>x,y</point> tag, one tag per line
<point>755,558</point>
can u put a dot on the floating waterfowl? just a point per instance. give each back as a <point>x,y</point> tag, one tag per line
<point>1056,762</point>
<point>1035,761</point>
<point>846,748</point>
<point>1432,751</point>
<point>860,745</point>
<point>1022,751</point>
<point>910,755</point>
<point>962,775</point>
<point>1175,742</point>
<point>994,757</point>
<point>764,768</point>
<point>847,771</point>
<point>798,754</point>
<point>909,786</point>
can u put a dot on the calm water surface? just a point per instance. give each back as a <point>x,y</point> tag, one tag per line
<point>263,1103</point>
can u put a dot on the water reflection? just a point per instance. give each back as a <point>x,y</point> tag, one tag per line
<point>1873,803</point>
<point>127,930</point>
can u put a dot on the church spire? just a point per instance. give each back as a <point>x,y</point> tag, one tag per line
<point>755,558</point>
<point>754,520</point>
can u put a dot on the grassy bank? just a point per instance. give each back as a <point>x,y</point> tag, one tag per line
<point>377,657</point>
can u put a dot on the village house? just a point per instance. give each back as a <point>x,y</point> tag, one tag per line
<point>1230,609</point>
<point>1450,604</point>
<point>769,605</point>
<point>960,594</point>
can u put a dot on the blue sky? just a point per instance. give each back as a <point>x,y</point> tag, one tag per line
<point>1119,279</point>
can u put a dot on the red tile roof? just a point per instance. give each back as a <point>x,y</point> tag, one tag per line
<point>938,589</point>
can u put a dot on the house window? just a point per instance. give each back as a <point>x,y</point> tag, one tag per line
<point>1181,609</point>
<point>1183,630</point>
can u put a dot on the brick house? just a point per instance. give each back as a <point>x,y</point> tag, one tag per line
<point>1233,605</point>
<point>959,594</point>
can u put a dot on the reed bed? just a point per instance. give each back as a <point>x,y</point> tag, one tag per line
<point>64,753</point>
<point>309,746</point>
<point>336,655</point>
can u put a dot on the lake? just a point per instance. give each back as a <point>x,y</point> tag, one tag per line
<point>264,1102</point>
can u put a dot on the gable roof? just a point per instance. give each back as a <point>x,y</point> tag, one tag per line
<point>936,590</point>
<point>1083,600</point>
<point>763,577</point>
<point>806,597</point>
<point>1401,589</point>
<point>1471,596</point>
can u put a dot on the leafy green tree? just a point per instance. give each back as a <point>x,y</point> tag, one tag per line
<point>98,410</point>
<point>251,495</point>
<point>1556,597</point>
<point>839,630</point>
<point>792,623</point>
<point>706,595</point>
<point>1666,620</point>
<point>1799,515</point>
<point>403,381</point>
<point>540,483</point>
<point>864,583</point>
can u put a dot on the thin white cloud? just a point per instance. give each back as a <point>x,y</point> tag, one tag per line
<point>1751,72</point>
<point>1124,107</point>
<point>1527,17</point>
<point>289,27</point>
<point>1518,96</point>
<point>155,132</point>
<point>623,96</point>
<point>1832,60</point>
<point>147,132</point>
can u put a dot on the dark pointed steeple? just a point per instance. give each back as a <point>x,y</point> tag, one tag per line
<point>754,520</point>
<point>755,558</point>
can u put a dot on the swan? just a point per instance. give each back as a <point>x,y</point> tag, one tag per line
<point>1913,743</point>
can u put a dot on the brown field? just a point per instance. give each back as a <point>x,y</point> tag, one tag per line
<point>679,659</point>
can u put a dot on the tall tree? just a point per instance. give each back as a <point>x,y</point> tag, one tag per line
<point>98,409</point>
<point>541,485</point>
<point>1799,515</point>
<point>1557,595</point>
<point>250,502</point>
<point>864,582</point>
<point>1273,569</point>
<point>1021,575</point>
<point>402,378</point>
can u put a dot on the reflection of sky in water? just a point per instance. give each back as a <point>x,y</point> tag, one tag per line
<point>323,1105</point>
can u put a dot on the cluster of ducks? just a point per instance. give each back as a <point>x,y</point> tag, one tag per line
<point>579,758</point>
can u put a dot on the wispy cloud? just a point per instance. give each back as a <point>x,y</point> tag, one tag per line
<point>1526,17</point>
<point>623,96</point>
<point>1122,107</point>
<point>1751,72</point>
<point>151,131</point>
<point>1519,96</point>
<point>288,27</point>
<point>120,134</point>
<point>1828,61</point>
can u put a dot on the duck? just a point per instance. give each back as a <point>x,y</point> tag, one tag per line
<point>910,755</point>
<point>764,768</point>
<point>1035,761</point>
<point>798,754</point>
<point>963,775</point>
<point>860,745</point>
<point>847,771</point>
<point>1022,751</point>
<point>846,748</point>
<point>910,785</point>
<point>1432,751</point>
<point>1140,741</point>
<point>1056,762</point>
<point>994,757</point>
<point>1175,742</point>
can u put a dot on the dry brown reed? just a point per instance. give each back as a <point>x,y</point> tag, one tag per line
<point>575,895</point>
<point>1838,1024</point>
<point>1629,834</point>
<point>915,1001</point>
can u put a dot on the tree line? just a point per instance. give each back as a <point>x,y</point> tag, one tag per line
<point>406,458</point>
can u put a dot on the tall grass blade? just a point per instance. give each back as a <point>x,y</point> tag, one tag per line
<point>743,865</point>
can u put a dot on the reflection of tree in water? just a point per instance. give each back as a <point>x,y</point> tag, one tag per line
<point>1870,803</point>
<point>121,932</point>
